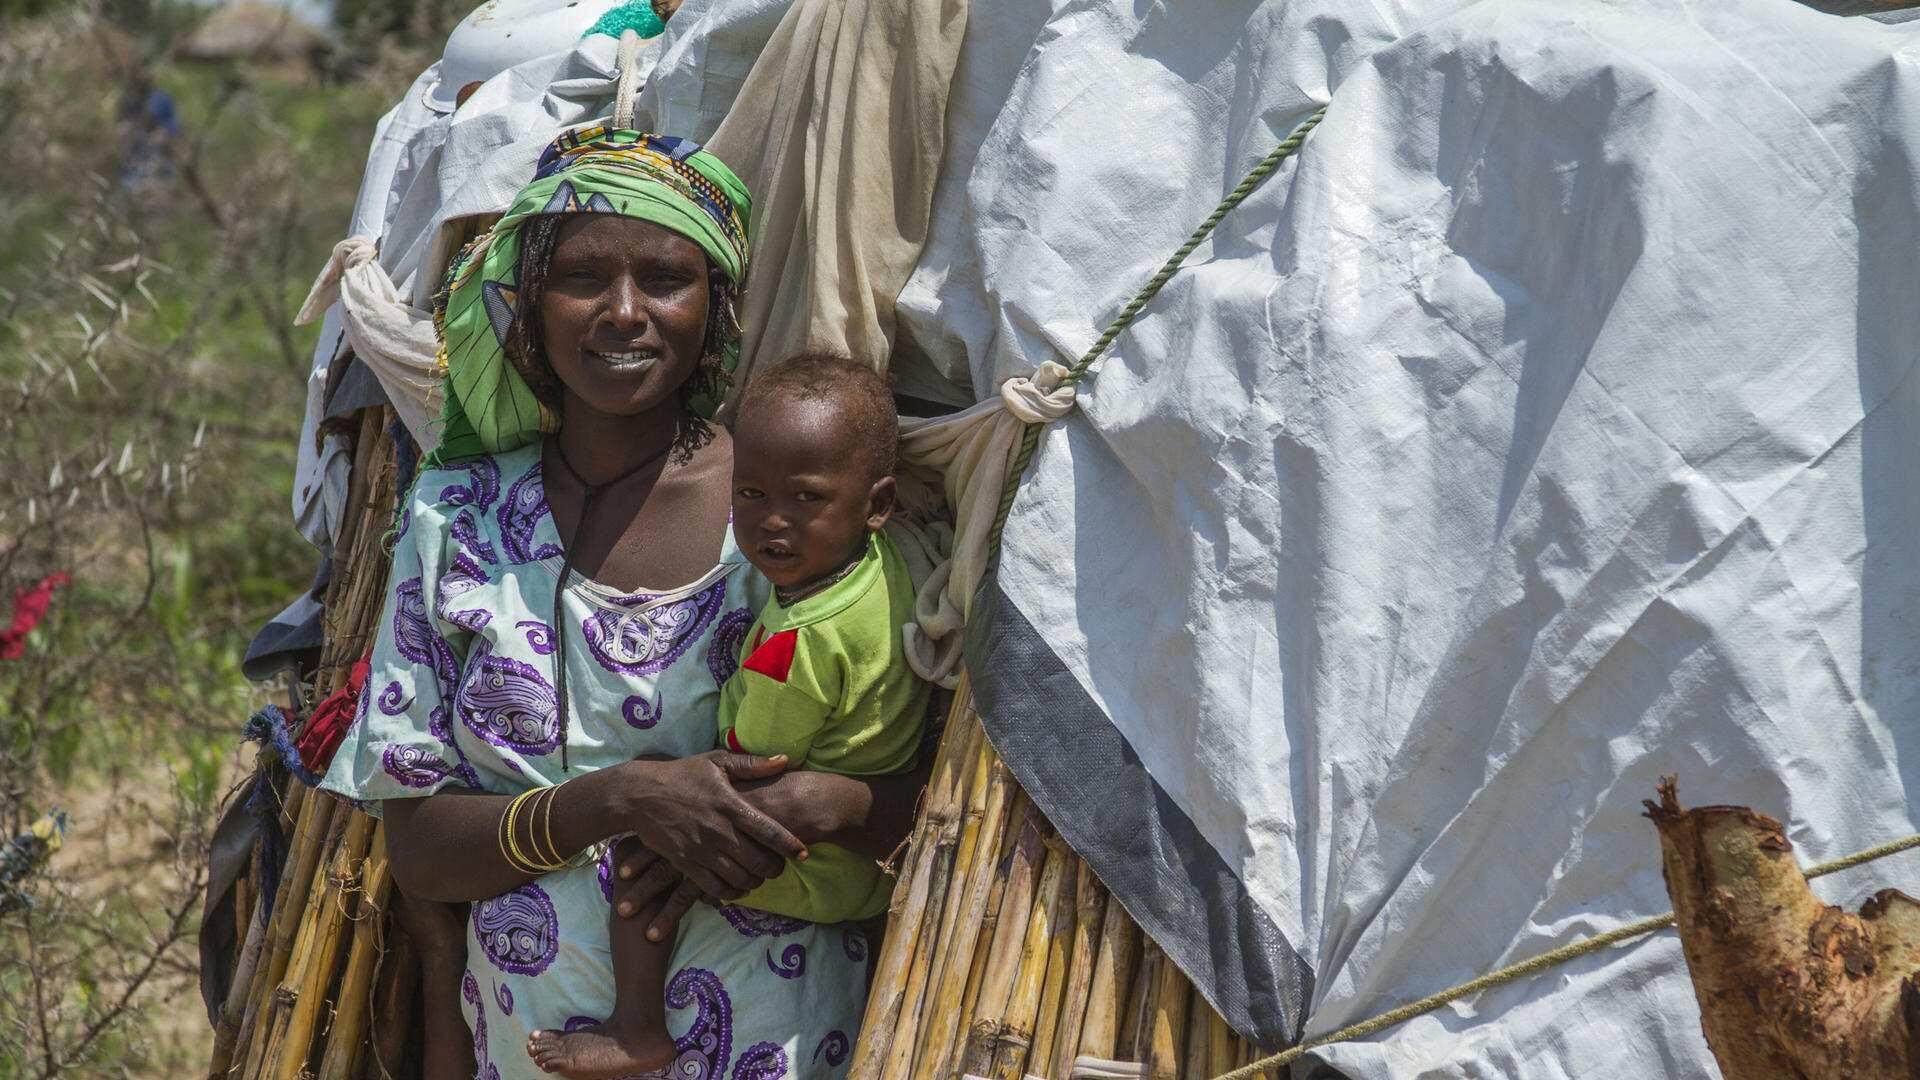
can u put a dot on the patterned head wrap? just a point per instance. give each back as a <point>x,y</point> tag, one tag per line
<point>671,182</point>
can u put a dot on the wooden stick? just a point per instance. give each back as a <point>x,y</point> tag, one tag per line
<point>976,973</point>
<point>967,866</point>
<point>1009,938</point>
<point>1222,1045</point>
<point>1134,1027</point>
<point>1050,905</point>
<point>1112,978</point>
<point>226,1033</point>
<point>1060,936</point>
<point>908,908</point>
<point>289,914</point>
<point>310,978</point>
<point>1090,910</point>
<point>947,1012</point>
<point>899,1062</point>
<point>1166,1021</point>
<point>1199,1035</point>
<point>348,1035</point>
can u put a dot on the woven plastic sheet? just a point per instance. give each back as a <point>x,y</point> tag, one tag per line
<point>1545,427</point>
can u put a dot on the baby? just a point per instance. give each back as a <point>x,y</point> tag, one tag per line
<point>823,678</point>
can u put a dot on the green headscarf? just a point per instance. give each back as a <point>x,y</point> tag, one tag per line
<point>488,407</point>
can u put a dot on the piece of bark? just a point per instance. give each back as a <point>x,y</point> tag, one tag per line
<point>1788,986</point>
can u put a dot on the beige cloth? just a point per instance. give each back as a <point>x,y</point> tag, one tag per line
<point>972,450</point>
<point>394,339</point>
<point>838,132</point>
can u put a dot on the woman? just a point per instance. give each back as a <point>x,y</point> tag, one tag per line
<point>566,599</point>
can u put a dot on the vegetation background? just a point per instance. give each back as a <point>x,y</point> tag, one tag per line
<point>151,392</point>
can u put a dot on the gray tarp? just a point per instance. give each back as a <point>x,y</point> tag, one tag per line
<point>1548,427</point>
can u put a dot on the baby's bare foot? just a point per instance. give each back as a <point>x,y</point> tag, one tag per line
<point>602,1051</point>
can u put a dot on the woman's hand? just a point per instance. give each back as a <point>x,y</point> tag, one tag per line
<point>688,812</point>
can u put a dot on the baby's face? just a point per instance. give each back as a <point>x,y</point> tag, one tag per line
<point>803,501</point>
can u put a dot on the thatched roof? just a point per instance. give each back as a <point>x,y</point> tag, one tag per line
<point>251,30</point>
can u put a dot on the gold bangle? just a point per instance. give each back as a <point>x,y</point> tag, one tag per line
<point>546,825</point>
<point>504,831</point>
<point>514,855</point>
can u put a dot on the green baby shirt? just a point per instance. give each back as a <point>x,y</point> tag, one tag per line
<point>826,683</point>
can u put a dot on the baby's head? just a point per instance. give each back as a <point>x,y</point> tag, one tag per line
<point>813,453</point>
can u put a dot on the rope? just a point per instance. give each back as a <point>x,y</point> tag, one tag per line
<point>1030,438</point>
<point>628,83</point>
<point>1524,968</point>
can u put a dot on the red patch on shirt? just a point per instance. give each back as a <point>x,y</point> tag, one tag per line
<point>733,743</point>
<point>774,657</point>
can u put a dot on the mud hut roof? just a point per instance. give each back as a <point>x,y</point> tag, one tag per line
<point>251,30</point>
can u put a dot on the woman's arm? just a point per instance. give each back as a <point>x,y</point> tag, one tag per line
<point>446,846</point>
<point>869,814</point>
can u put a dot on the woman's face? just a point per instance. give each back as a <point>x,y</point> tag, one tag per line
<point>624,312</point>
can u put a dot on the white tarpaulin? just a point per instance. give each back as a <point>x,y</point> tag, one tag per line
<point>1546,426</point>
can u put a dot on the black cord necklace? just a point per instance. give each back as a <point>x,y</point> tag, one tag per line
<point>589,493</point>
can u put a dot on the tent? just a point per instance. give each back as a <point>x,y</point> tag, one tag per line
<point>1541,428</point>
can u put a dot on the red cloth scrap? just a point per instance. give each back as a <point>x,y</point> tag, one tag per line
<point>331,719</point>
<point>29,607</point>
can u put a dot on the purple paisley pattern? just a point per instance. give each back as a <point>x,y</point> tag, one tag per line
<point>507,703</point>
<point>723,649</point>
<point>639,712</point>
<point>834,1047</point>
<point>466,531</point>
<point>414,766</point>
<point>519,517</point>
<point>575,1023</point>
<point>539,635</point>
<point>641,636</point>
<point>603,873</point>
<point>472,620</point>
<point>708,1044</point>
<point>503,994</point>
<point>854,942</point>
<point>752,922</point>
<point>415,638</point>
<point>481,489</point>
<point>761,1061</point>
<point>792,963</point>
<point>463,578</point>
<point>394,699</point>
<point>470,990</point>
<point>519,931</point>
<point>469,574</point>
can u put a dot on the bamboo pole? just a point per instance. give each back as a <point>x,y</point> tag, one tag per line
<point>1051,901</point>
<point>1112,978</point>
<point>1060,939</point>
<point>1008,941</point>
<point>949,1008</point>
<point>296,878</point>
<point>282,993</point>
<point>908,909</point>
<point>1090,909</point>
<point>348,1035</point>
<point>1166,1021</point>
<point>899,1060</point>
<point>307,981</point>
<point>1222,1043</point>
<point>226,1033</point>
<point>1198,1037</point>
<point>1133,1022</point>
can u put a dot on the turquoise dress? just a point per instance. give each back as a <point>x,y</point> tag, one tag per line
<point>461,692</point>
